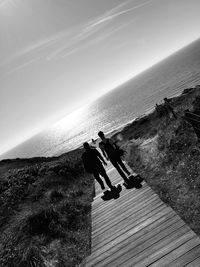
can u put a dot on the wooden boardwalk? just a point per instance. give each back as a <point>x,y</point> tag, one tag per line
<point>138,229</point>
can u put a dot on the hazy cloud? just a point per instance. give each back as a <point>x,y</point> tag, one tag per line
<point>68,42</point>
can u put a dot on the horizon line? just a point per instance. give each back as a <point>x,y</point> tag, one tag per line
<point>102,95</point>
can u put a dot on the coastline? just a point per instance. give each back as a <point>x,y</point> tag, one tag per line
<point>122,129</point>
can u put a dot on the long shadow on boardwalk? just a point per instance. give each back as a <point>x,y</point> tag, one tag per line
<point>138,229</point>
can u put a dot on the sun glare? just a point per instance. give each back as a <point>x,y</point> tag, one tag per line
<point>71,120</point>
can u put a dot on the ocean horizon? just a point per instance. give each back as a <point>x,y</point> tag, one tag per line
<point>118,107</point>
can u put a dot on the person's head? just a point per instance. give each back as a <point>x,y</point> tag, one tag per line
<point>101,135</point>
<point>165,99</point>
<point>86,145</point>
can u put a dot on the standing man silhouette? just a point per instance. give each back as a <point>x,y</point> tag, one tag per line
<point>92,161</point>
<point>110,152</point>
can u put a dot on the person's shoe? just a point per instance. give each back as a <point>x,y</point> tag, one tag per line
<point>137,178</point>
<point>117,188</point>
<point>107,192</point>
<point>129,185</point>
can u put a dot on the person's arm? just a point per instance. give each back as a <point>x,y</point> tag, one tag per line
<point>100,157</point>
<point>83,160</point>
<point>103,151</point>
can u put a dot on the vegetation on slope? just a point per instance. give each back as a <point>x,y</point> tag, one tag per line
<point>45,211</point>
<point>166,152</point>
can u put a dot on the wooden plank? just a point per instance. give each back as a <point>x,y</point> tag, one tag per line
<point>187,257</point>
<point>194,263</point>
<point>176,253</point>
<point>127,215</point>
<point>101,240</point>
<point>137,230</point>
<point>131,218</point>
<point>122,203</point>
<point>123,218</point>
<point>125,209</point>
<point>158,249</point>
<point>143,252</point>
<point>124,241</point>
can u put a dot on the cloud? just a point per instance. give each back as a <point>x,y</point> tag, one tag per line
<point>25,64</point>
<point>101,37</point>
<point>72,40</point>
<point>91,28</point>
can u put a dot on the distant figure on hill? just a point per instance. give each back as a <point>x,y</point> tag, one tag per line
<point>157,107</point>
<point>92,161</point>
<point>169,107</point>
<point>111,152</point>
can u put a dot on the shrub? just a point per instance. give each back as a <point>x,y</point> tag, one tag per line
<point>43,222</point>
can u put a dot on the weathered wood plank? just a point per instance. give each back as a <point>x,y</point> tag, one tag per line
<point>124,241</point>
<point>168,259</point>
<point>187,257</point>
<point>125,210</point>
<point>120,220</point>
<point>141,250</point>
<point>158,249</point>
<point>102,239</point>
<point>194,263</point>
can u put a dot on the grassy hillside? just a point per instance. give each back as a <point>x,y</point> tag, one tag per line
<point>166,152</point>
<point>45,211</point>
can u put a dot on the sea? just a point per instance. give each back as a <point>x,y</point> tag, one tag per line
<point>117,108</point>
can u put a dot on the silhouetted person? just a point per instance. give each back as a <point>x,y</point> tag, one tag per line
<point>157,107</point>
<point>92,161</point>
<point>110,152</point>
<point>169,107</point>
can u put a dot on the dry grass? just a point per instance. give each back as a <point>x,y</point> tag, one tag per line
<point>45,212</point>
<point>169,158</point>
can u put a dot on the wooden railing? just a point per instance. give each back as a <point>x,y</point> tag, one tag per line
<point>194,120</point>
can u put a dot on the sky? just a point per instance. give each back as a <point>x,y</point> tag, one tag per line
<point>58,55</point>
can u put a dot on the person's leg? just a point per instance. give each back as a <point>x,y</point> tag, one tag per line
<point>116,165</point>
<point>105,176</point>
<point>120,162</point>
<point>96,176</point>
